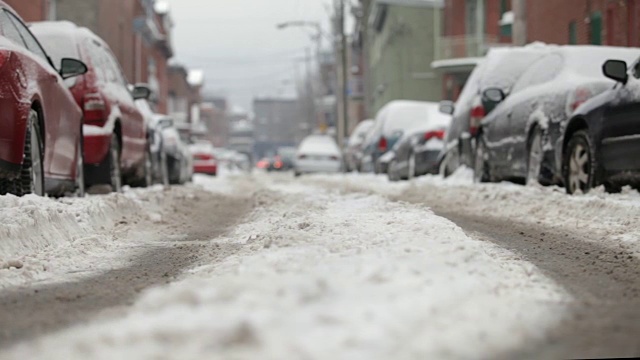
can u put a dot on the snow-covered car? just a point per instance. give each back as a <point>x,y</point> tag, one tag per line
<point>204,158</point>
<point>155,142</point>
<point>115,136</point>
<point>500,68</point>
<point>284,159</point>
<point>40,123</point>
<point>176,153</point>
<point>391,123</point>
<point>417,153</point>
<point>522,138</point>
<point>353,150</point>
<point>318,154</point>
<point>602,140</point>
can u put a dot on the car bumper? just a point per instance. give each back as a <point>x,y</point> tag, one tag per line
<point>96,148</point>
<point>427,162</point>
<point>205,167</point>
<point>308,167</point>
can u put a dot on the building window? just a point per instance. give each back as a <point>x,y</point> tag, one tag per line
<point>573,33</point>
<point>596,28</point>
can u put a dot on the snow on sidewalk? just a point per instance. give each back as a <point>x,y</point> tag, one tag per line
<point>610,218</point>
<point>325,276</point>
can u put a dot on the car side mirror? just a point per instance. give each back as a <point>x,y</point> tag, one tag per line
<point>616,70</point>
<point>71,67</point>
<point>447,107</point>
<point>141,92</point>
<point>493,95</point>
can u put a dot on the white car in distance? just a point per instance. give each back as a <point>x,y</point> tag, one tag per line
<point>318,154</point>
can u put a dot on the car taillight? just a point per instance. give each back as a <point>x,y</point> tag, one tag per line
<point>436,134</point>
<point>580,96</point>
<point>204,157</point>
<point>477,114</point>
<point>94,109</point>
<point>382,144</point>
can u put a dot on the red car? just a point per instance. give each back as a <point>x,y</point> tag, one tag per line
<point>115,137</point>
<point>204,158</point>
<point>40,122</point>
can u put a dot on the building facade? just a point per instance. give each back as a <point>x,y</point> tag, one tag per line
<point>403,37</point>
<point>585,22</point>
<point>34,10</point>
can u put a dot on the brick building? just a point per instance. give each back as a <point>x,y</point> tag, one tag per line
<point>596,22</point>
<point>34,10</point>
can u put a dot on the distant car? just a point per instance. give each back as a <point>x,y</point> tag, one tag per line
<point>601,143</point>
<point>155,142</point>
<point>353,151</point>
<point>417,153</point>
<point>40,123</point>
<point>318,154</point>
<point>204,159</point>
<point>521,139</point>
<point>115,136</point>
<point>392,122</point>
<point>284,160</point>
<point>500,68</point>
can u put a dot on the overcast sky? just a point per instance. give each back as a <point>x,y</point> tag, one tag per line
<point>237,44</point>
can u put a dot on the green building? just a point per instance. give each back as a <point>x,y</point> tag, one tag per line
<point>403,39</point>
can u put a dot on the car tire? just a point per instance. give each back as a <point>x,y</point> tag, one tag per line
<point>115,169</point>
<point>481,172</point>
<point>579,164</point>
<point>31,179</point>
<point>535,156</point>
<point>391,172</point>
<point>164,169</point>
<point>80,180</point>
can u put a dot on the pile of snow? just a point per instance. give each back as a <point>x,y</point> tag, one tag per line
<point>321,275</point>
<point>611,218</point>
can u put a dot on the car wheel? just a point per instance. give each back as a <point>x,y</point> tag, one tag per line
<point>412,166</point>
<point>80,182</point>
<point>579,164</point>
<point>480,163</point>
<point>115,170</point>
<point>31,180</point>
<point>534,160</point>
<point>391,172</point>
<point>147,179</point>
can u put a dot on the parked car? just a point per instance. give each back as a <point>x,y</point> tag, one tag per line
<point>522,138</point>
<point>40,123</point>
<point>353,151</point>
<point>417,152</point>
<point>318,154</point>
<point>284,160</point>
<point>204,158</point>
<point>115,137</point>
<point>178,158</point>
<point>500,68</point>
<point>392,122</point>
<point>155,141</point>
<point>601,143</point>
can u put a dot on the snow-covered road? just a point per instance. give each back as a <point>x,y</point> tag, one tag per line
<point>322,267</point>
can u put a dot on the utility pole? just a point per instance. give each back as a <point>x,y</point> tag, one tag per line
<point>343,82</point>
<point>520,22</point>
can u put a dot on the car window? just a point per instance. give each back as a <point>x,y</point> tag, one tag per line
<point>118,77</point>
<point>9,30</point>
<point>544,70</point>
<point>635,69</point>
<point>30,41</point>
<point>94,53</point>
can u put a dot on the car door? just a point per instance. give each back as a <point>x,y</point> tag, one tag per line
<point>620,147</point>
<point>133,125</point>
<point>62,128</point>
<point>534,99</point>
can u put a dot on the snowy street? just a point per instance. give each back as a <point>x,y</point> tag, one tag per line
<point>347,266</point>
